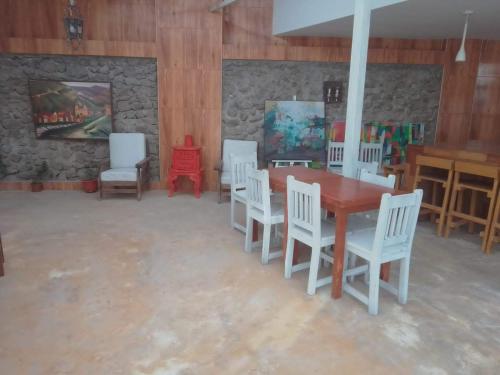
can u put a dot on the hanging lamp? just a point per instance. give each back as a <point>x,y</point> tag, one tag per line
<point>461,52</point>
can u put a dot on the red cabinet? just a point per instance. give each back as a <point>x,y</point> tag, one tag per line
<point>186,161</point>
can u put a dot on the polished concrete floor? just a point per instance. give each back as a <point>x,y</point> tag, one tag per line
<point>162,286</point>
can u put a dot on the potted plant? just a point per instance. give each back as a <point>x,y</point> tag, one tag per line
<point>36,181</point>
<point>89,182</point>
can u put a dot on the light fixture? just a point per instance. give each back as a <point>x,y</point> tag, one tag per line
<point>461,52</point>
<point>73,23</point>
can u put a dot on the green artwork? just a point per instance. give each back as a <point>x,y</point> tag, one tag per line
<point>71,110</point>
<point>294,130</point>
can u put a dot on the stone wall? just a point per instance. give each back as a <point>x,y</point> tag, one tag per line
<point>135,109</point>
<point>393,92</point>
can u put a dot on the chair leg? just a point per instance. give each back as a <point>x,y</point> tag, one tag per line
<point>373,288</point>
<point>139,191</point>
<point>266,241</point>
<point>249,235</point>
<point>233,204</point>
<point>404,274</point>
<point>313,270</point>
<point>489,225</point>
<point>290,242</point>
<point>472,209</point>
<point>100,190</point>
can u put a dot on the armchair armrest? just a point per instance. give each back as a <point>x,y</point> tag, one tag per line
<point>143,162</point>
<point>218,167</point>
<point>102,167</point>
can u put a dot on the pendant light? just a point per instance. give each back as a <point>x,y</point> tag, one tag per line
<point>461,52</point>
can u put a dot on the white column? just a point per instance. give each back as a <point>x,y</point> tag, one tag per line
<point>356,91</point>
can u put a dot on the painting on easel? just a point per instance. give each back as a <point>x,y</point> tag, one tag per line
<point>294,130</point>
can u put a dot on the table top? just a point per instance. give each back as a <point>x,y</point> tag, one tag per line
<point>337,192</point>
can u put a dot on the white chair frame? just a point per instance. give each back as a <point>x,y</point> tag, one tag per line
<point>260,208</point>
<point>305,225</point>
<point>370,167</point>
<point>335,157</point>
<point>239,183</point>
<point>391,240</point>
<point>369,152</point>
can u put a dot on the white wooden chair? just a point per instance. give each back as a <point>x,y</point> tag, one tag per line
<point>369,152</point>
<point>391,240</point>
<point>261,209</point>
<point>235,147</point>
<point>306,225</point>
<point>335,157</point>
<point>360,222</point>
<point>239,183</point>
<point>370,167</point>
<point>290,163</point>
<point>370,177</point>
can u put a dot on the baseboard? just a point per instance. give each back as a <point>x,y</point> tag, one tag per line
<point>59,185</point>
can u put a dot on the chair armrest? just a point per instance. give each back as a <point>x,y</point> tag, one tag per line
<point>143,162</point>
<point>218,167</point>
<point>102,167</point>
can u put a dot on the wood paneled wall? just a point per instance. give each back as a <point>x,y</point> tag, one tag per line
<point>189,43</point>
<point>470,96</point>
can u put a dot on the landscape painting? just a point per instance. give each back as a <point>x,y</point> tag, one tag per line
<point>294,130</point>
<point>71,110</point>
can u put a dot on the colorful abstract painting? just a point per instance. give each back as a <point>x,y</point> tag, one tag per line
<point>294,130</point>
<point>71,110</point>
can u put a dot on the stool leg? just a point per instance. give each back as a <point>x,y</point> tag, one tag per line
<point>489,220</point>
<point>472,209</point>
<point>493,227</point>
<point>434,201</point>
<point>449,222</point>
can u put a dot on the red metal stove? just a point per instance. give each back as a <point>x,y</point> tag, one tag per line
<point>186,161</point>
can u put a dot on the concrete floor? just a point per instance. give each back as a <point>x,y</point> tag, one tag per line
<point>163,286</point>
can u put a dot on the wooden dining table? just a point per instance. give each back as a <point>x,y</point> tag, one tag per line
<point>339,195</point>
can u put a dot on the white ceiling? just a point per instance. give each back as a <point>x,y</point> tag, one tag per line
<point>416,19</point>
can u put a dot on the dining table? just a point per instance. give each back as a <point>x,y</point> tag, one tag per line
<point>340,196</point>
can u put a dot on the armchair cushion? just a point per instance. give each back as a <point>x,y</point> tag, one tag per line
<point>119,174</point>
<point>126,149</point>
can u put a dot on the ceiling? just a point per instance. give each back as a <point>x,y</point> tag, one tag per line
<point>419,19</point>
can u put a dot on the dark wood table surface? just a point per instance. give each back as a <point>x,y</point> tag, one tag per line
<point>340,195</point>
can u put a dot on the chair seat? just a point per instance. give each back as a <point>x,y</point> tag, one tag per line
<point>119,174</point>
<point>360,242</point>
<point>225,178</point>
<point>327,233</point>
<point>277,213</point>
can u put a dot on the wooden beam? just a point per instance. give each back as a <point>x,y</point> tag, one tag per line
<point>221,4</point>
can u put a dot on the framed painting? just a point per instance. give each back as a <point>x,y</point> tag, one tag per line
<point>71,110</point>
<point>294,130</point>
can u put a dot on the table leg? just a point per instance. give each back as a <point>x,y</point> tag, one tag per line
<point>255,231</point>
<point>339,253</point>
<point>385,271</point>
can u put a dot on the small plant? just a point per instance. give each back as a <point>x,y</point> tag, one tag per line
<point>90,173</point>
<point>3,168</point>
<point>40,173</point>
<point>38,177</point>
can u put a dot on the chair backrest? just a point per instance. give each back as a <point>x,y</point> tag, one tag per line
<point>397,220</point>
<point>238,148</point>
<point>375,179</point>
<point>239,169</point>
<point>335,154</point>
<point>258,191</point>
<point>126,149</point>
<point>304,206</point>
<point>371,167</point>
<point>369,152</point>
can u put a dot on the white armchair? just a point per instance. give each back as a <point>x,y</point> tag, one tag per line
<point>237,148</point>
<point>127,170</point>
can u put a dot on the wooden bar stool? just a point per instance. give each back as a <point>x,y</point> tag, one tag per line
<point>494,226</point>
<point>478,179</point>
<point>438,172</point>
<point>398,170</point>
